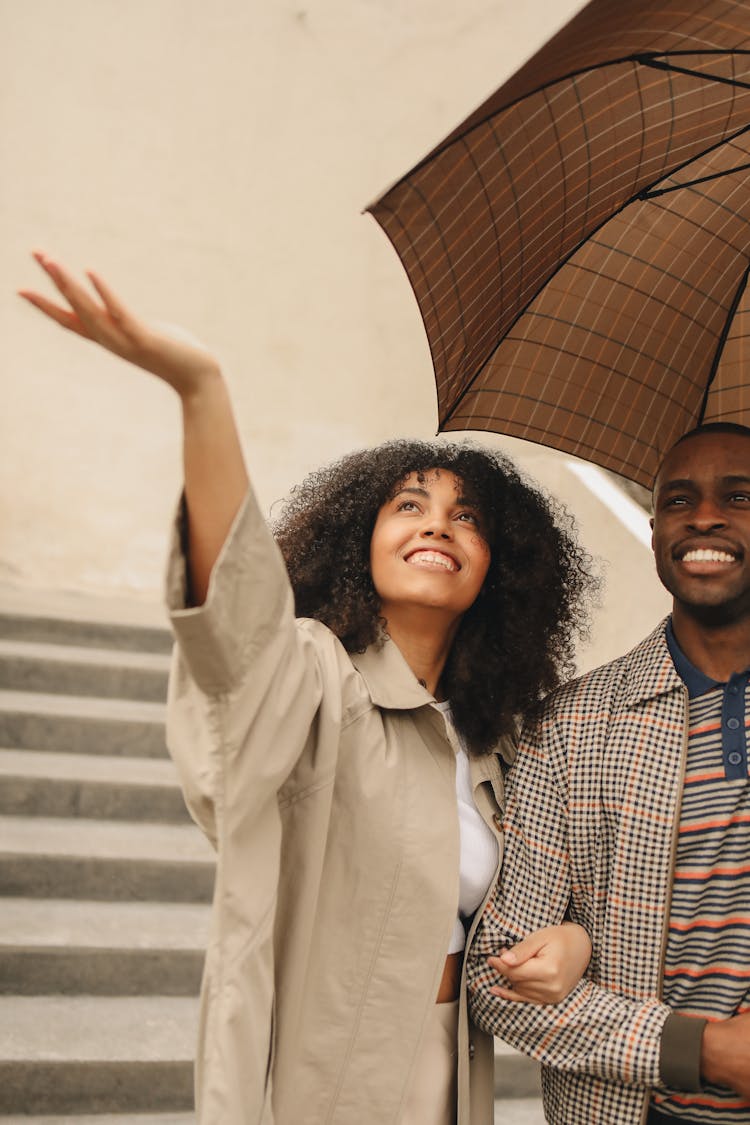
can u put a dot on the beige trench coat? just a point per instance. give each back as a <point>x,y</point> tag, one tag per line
<point>326,784</point>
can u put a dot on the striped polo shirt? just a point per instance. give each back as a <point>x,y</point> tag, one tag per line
<point>707,968</point>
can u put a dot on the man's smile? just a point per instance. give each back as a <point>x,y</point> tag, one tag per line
<point>708,560</point>
<point>705,555</point>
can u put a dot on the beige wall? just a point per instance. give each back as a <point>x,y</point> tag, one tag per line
<point>212,160</point>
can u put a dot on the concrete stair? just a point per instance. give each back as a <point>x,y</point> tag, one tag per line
<point>105,881</point>
<point>517,1088</point>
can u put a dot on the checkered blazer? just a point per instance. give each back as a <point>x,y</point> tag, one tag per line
<point>590,829</point>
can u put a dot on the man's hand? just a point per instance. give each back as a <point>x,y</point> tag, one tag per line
<point>725,1053</point>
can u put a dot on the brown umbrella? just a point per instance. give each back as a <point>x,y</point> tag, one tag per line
<point>579,246</point>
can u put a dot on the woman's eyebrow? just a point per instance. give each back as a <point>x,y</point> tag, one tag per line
<point>413,490</point>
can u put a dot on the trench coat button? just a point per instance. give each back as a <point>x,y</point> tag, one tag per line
<point>471,1050</point>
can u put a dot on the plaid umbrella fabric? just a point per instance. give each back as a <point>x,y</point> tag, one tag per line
<point>579,247</point>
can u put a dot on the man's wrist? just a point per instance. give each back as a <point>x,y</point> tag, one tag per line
<point>713,1052</point>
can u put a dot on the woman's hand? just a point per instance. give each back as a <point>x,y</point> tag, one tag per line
<point>184,365</point>
<point>215,475</point>
<point>545,966</point>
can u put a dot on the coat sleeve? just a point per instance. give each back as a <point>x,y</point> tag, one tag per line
<point>244,692</point>
<point>245,682</point>
<point>593,1031</point>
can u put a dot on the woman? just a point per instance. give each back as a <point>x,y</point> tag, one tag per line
<point>343,753</point>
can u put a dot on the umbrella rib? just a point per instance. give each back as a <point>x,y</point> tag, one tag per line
<point>653,193</point>
<point>722,342</point>
<point>657,63</point>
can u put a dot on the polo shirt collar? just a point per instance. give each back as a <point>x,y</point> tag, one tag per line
<point>697,682</point>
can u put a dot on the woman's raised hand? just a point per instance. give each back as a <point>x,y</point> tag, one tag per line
<point>215,475</point>
<point>186,366</point>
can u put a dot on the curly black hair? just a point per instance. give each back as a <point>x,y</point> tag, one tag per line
<point>516,643</point>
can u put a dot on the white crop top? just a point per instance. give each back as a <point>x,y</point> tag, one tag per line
<point>479,848</point>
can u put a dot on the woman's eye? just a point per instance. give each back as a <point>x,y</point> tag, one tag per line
<point>468,516</point>
<point>407,506</point>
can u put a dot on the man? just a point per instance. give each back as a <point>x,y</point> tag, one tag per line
<point>629,811</point>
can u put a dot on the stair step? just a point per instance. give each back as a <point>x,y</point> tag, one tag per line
<point>87,1054</point>
<point>107,1119</point>
<point>508,1111</point>
<point>76,670</point>
<point>516,1075</point>
<point>101,948</point>
<point>104,1119</point>
<point>51,629</point>
<point>48,783</point>
<point>104,860</point>
<point>82,724</point>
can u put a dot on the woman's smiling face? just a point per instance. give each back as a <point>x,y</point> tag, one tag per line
<point>428,549</point>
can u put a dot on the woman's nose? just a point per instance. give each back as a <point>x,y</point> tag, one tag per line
<point>436,529</point>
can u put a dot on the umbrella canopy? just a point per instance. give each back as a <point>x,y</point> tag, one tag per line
<point>579,246</point>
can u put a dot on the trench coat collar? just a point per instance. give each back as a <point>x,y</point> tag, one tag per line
<point>388,678</point>
<point>391,684</point>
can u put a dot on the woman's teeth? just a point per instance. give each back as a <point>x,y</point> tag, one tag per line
<point>432,558</point>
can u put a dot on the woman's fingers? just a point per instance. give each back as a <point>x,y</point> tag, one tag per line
<point>63,317</point>
<point>537,970</point>
<point>522,952</point>
<point>519,990</point>
<point>107,322</point>
<point>110,300</point>
<point>519,996</point>
<point>99,315</point>
<point>85,316</point>
<point>74,293</point>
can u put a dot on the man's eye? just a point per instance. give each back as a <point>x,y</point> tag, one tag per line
<point>740,497</point>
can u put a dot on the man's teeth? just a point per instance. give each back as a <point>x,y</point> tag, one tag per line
<point>704,555</point>
<point>433,557</point>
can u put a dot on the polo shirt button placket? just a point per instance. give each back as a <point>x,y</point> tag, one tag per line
<point>733,722</point>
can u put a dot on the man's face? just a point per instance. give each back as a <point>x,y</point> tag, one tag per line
<point>701,526</point>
